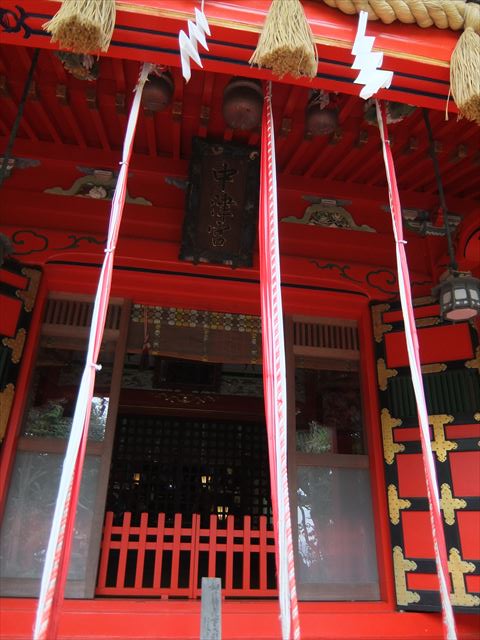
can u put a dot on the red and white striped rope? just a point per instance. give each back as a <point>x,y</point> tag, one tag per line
<point>57,556</point>
<point>415,368</point>
<point>274,373</point>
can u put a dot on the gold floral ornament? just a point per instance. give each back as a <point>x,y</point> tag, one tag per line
<point>458,568</point>
<point>396,504</point>
<point>475,363</point>
<point>427,322</point>
<point>384,374</point>
<point>16,345</point>
<point>441,445</point>
<point>449,504</point>
<point>436,367</point>
<point>379,328</point>
<point>28,295</point>
<point>6,401</point>
<point>400,566</point>
<point>390,448</point>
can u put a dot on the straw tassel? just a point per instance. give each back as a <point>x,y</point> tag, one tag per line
<point>286,43</point>
<point>465,66</point>
<point>83,26</point>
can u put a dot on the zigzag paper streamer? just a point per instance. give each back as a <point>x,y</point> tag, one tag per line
<point>368,62</point>
<point>189,44</point>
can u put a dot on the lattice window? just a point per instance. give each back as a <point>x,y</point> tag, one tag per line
<point>65,312</point>
<point>179,465</point>
<point>325,334</point>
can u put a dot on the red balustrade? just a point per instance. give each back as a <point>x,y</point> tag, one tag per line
<point>171,560</point>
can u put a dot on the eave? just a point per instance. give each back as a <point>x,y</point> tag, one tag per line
<point>149,32</point>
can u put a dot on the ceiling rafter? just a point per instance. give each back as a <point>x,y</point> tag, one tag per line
<point>177,110</point>
<point>337,168</point>
<point>61,93</point>
<point>149,118</point>
<point>11,107</point>
<point>205,107</point>
<point>92,103</point>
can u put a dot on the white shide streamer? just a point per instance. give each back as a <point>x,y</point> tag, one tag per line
<point>368,62</point>
<point>189,44</point>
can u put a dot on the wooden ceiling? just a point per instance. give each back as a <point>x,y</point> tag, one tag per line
<point>72,120</point>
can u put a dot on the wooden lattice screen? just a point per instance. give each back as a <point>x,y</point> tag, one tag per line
<point>170,465</point>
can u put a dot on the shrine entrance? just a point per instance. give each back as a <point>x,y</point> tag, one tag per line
<point>188,492</point>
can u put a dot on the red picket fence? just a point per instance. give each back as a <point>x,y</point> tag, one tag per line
<point>170,561</point>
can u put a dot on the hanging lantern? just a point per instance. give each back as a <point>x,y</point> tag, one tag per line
<point>320,118</point>
<point>158,91</point>
<point>459,296</point>
<point>243,104</point>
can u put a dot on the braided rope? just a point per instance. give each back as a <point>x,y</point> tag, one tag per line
<point>443,14</point>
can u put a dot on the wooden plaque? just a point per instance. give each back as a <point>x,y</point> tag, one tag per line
<point>221,204</point>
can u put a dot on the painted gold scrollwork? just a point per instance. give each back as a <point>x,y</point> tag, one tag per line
<point>28,295</point>
<point>449,504</point>
<point>440,445</point>
<point>458,568</point>
<point>400,566</point>
<point>475,363</point>
<point>379,328</point>
<point>384,373</point>
<point>16,345</point>
<point>390,448</point>
<point>396,504</point>
<point>436,367</point>
<point>6,401</point>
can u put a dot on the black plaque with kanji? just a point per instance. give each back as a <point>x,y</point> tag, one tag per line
<point>221,204</point>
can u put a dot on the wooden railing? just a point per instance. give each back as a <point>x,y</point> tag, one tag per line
<point>171,560</point>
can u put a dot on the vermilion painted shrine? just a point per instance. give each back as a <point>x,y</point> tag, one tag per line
<point>176,481</point>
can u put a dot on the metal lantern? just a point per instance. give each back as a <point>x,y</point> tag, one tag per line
<point>458,292</point>
<point>459,296</point>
